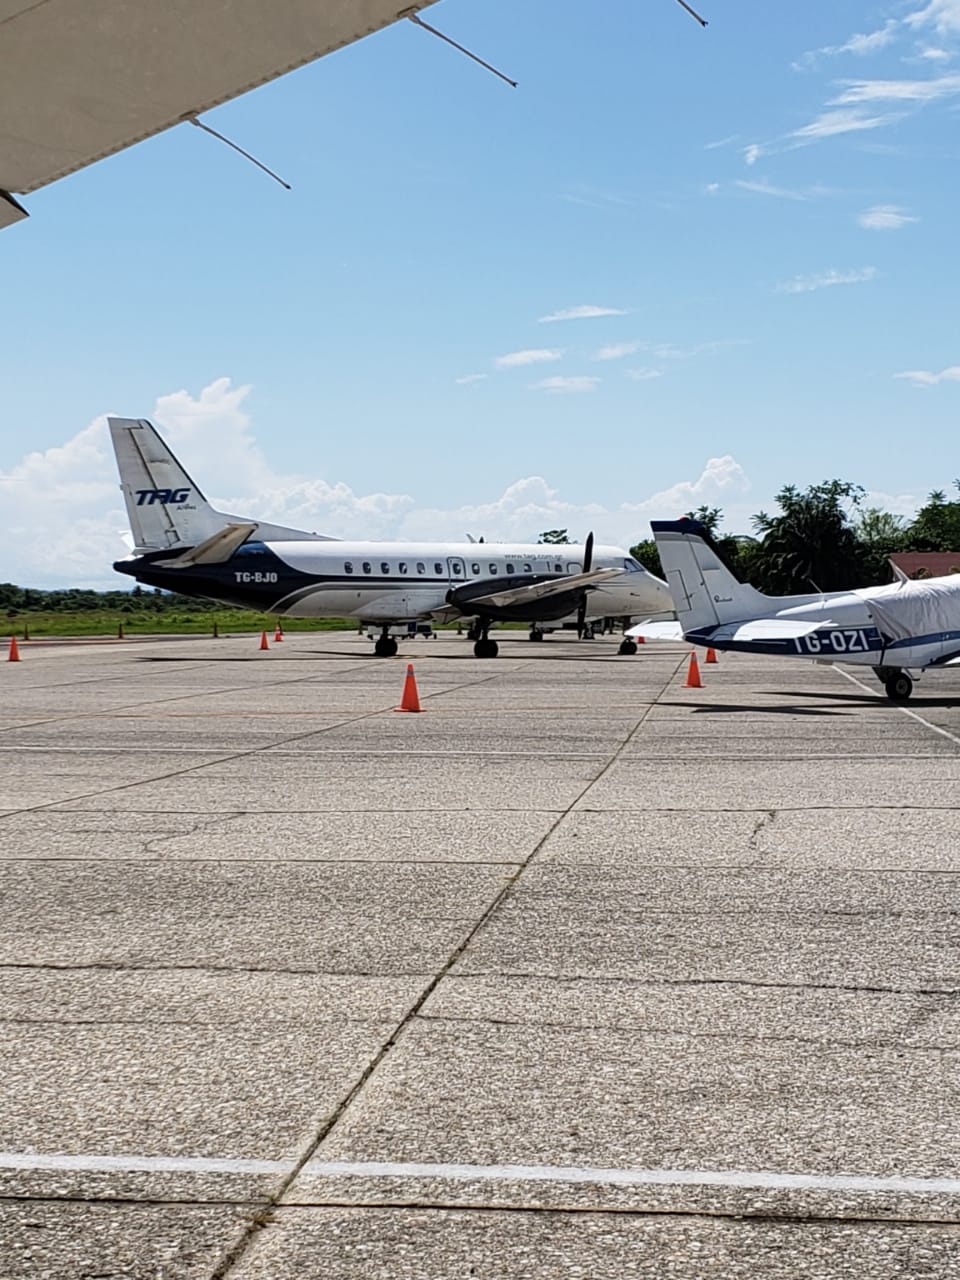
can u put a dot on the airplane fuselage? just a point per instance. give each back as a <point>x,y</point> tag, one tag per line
<point>382,582</point>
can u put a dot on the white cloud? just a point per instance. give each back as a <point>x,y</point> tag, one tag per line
<point>764,188</point>
<point>858,91</point>
<point>831,123</point>
<point>61,516</point>
<point>885,217</point>
<point>469,378</point>
<point>643,375</point>
<point>942,15</point>
<point>859,45</point>
<point>711,188</point>
<point>826,279</point>
<point>533,355</point>
<point>926,378</point>
<point>586,312</point>
<point>617,350</point>
<point>752,153</point>
<point>566,386</point>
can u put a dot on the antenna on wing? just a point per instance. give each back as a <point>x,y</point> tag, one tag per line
<point>246,154</point>
<point>692,12</point>
<point>414,17</point>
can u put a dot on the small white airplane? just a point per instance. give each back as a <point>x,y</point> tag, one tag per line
<point>182,544</point>
<point>893,629</point>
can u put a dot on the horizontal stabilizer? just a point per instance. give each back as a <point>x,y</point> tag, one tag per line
<point>656,631</point>
<point>216,549</point>
<point>768,629</point>
<point>543,590</point>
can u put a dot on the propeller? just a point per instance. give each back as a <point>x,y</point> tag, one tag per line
<point>582,606</point>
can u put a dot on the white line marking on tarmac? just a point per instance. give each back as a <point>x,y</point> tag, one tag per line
<point>35,1161</point>
<point>906,711</point>
<point>749,1179</point>
<point>752,1179</point>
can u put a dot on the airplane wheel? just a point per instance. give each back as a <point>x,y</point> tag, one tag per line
<point>627,647</point>
<point>899,687</point>
<point>386,647</point>
<point>536,635</point>
<point>486,649</point>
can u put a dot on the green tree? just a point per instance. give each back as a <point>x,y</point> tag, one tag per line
<point>936,526</point>
<point>879,533</point>
<point>646,552</point>
<point>811,544</point>
<point>554,535</point>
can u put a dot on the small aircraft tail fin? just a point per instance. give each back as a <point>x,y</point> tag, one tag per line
<point>165,508</point>
<point>705,592</point>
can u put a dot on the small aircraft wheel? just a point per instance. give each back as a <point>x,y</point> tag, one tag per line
<point>899,687</point>
<point>536,635</point>
<point>386,647</point>
<point>627,647</point>
<point>486,649</point>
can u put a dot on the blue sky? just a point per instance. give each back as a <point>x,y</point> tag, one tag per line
<point>744,236</point>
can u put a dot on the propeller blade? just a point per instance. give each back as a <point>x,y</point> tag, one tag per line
<point>582,606</point>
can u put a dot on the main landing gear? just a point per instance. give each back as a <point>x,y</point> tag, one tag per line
<point>386,646</point>
<point>628,647</point>
<point>897,683</point>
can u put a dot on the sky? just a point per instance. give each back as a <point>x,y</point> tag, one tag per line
<point>675,266</point>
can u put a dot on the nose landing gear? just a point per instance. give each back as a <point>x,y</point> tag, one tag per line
<point>386,646</point>
<point>896,682</point>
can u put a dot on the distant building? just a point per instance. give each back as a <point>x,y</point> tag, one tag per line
<point>926,564</point>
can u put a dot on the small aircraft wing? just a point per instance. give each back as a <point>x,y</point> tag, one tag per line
<point>542,590</point>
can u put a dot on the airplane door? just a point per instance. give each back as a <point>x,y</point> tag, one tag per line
<point>574,567</point>
<point>456,570</point>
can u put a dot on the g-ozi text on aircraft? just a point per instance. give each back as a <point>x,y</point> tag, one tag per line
<point>894,629</point>
<point>182,544</point>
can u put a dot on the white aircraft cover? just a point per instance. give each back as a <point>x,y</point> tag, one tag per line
<point>917,608</point>
<point>82,79</point>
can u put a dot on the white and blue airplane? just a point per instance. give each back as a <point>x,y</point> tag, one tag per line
<point>909,625</point>
<point>182,544</point>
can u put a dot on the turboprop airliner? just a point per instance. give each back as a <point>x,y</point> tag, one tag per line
<point>893,629</point>
<point>182,544</point>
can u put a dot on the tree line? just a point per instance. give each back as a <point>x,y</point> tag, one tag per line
<point>825,538</point>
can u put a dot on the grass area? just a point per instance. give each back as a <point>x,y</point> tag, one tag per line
<point>107,622</point>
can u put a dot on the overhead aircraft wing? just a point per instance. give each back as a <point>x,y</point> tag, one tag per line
<point>542,590</point>
<point>83,79</point>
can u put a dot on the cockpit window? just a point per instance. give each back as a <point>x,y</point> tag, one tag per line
<point>632,566</point>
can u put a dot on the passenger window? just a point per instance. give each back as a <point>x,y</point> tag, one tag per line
<point>438,568</point>
<point>457,570</point>
<point>509,568</point>
<point>558,568</point>
<point>367,568</point>
<point>384,566</point>
<point>527,568</point>
<point>348,566</point>
<point>493,569</point>
<point>475,568</point>
<point>402,566</point>
<point>421,567</point>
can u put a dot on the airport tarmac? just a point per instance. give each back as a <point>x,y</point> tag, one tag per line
<point>578,973</point>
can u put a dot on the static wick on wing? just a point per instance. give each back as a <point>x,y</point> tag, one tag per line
<point>439,34</point>
<point>246,154</point>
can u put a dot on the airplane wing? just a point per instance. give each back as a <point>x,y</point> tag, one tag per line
<point>216,549</point>
<point>542,590</point>
<point>769,629</point>
<point>80,81</point>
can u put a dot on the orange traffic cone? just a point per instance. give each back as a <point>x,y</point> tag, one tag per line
<point>14,650</point>
<point>410,701</point>
<point>277,635</point>
<point>693,674</point>
<point>711,655</point>
<point>263,640</point>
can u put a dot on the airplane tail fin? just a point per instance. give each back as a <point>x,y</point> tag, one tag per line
<point>705,592</point>
<point>165,508</point>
